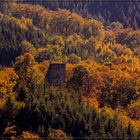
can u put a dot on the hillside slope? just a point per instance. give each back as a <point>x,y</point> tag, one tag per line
<point>126,12</point>
<point>66,32</point>
<point>101,95</point>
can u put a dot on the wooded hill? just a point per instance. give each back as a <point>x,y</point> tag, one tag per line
<point>127,11</point>
<point>76,35</point>
<point>102,93</point>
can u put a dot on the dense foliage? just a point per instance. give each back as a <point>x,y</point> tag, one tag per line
<point>102,93</point>
<point>126,12</point>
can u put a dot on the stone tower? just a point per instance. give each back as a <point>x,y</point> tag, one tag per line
<point>56,75</point>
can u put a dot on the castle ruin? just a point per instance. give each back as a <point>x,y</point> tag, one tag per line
<point>56,75</point>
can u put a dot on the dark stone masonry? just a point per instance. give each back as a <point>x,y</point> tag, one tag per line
<point>56,75</point>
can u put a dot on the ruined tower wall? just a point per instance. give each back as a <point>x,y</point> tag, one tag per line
<point>56,75</point>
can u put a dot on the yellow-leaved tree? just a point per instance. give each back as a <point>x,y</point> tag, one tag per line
<point>8,80</point>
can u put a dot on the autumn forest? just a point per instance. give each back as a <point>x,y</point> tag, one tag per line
<point>101,96</point>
